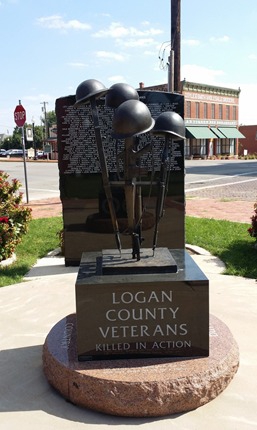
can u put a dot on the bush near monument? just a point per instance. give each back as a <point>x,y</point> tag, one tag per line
<point>14,217</point>
<point>253,229</point>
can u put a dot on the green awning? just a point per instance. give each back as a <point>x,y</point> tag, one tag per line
<point>231,132</point>
<point>199,133</point>
<point>218,133</point>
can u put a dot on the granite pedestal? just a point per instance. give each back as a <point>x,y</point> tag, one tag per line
<point>158,306</point>
<point>140,344</point>
<point>143,387</point>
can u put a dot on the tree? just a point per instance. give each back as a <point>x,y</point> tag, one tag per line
<point>38,136</point>
<point>50,120</point>
<point>13,141</point>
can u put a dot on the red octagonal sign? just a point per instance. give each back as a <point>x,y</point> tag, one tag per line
<point>20,116</point>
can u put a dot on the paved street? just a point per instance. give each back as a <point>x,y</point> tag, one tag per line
<point>232,179</point>
<point>219,179</point>
<point>42,178</point>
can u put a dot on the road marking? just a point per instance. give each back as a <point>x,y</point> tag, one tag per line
<point>220,185</point>
<point>220,177</point>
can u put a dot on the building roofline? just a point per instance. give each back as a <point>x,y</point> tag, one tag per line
<point>194,86</point>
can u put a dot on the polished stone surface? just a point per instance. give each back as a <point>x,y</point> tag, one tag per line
<point>160,261</point>
<point>132,314</point>
<point>139,387</point>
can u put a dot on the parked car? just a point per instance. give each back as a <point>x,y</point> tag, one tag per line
<point>41,155</point>
<point>15,153</point>
<point>2,153</point>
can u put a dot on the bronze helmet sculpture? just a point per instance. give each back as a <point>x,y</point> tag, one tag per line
<point>131,118</point>
<point>88,89</point>
<point>171,123</point>
<point>119,93</point>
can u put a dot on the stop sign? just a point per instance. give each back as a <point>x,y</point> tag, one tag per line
<point>20,116</point>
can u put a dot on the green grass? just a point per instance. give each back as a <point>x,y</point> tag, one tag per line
<point>41,238</point>
<point>227,240</point>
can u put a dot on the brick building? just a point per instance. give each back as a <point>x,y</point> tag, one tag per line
<point>211,119</point>
<point>249,144</point>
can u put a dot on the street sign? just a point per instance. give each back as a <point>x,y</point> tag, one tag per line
<point>29,134</point>
<point>47,148</point>
<point>19,116</point>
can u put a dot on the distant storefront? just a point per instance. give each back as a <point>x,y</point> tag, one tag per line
<point>211,119</point>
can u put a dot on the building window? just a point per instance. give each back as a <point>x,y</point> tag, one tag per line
<point>187,148</point>
<point>220,112</point>
<point>188,109</point>
<point>234,113</point>
<point>212,111</point>
<point>218,147</point>
<point>197,110</point>
<point>198,147</point>
<point>225,149</point>
<point>227,112</point>
<point>205,110</point>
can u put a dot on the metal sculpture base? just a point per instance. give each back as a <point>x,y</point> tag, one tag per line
<point>161,261</point>
<point>148,387</point>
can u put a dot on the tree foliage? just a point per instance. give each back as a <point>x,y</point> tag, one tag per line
<point>15,140</point>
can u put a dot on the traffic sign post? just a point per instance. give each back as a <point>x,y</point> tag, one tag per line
<point>19,115</point>
<point>20,119</point>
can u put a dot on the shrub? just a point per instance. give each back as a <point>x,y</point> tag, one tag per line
<point>253,229</point>
<point>14,216</point>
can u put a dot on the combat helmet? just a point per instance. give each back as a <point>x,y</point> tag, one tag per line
<point>171,123</point>
<point>119,93</point>
<point>131,118</point>
<point>89,88</point>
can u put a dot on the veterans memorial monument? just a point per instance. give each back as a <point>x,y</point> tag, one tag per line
<point>141,342</point>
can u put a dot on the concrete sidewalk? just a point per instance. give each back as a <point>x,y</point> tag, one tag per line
<point>30,309</point>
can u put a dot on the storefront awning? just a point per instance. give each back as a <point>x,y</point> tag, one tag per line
<point>199,133</point>
<point>218,133</point>
<point>231,132</point>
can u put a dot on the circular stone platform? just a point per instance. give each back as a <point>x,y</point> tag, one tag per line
<point>139,387</point>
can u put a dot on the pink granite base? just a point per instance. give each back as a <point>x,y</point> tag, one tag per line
<point>139,387</point>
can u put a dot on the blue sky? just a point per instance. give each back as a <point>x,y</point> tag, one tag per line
<point>48,47</point>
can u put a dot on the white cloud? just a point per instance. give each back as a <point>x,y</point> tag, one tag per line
<point>77,64</point>
<point>116,79</point>
<point>117,30</point>
<point>194,73</point>
<point>58,23</point>
<point>110,55</point>
<point>252,57</point>
<point>191,42</point>
<point>222,39</point>
<point>247,104</point>
<point>132,43</point>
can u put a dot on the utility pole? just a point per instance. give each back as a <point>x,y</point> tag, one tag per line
<point>174,72</point>
<point>45,119</point>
